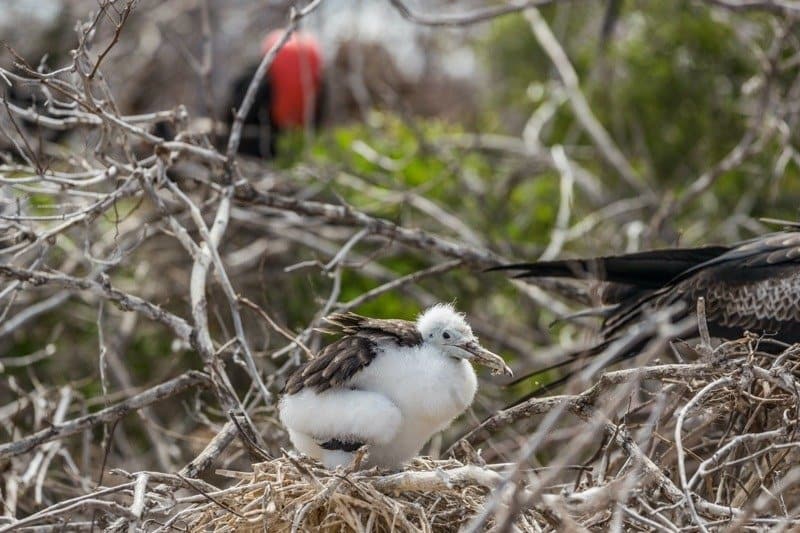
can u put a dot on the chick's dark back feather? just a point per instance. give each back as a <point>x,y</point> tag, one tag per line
<point>345,357</point>
<point>402,332</point>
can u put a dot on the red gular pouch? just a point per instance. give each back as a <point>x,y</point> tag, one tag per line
<point>295,78</point>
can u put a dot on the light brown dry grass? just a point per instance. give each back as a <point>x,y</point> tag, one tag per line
<point>297,494</point>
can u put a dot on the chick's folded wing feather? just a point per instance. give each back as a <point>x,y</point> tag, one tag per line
<point>334,366</point>
<point>401,332</point>
<point>342,359</point>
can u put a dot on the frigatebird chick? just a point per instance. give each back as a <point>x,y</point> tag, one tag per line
<point>389,384</point>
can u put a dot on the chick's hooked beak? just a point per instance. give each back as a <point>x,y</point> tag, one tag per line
<point>475,352</point>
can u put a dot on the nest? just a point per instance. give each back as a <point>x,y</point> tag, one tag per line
<point>704,445</point>
<point>297,494</point>
<point>694,445</point>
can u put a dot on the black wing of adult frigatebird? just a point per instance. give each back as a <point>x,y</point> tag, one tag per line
<point>753,285</point>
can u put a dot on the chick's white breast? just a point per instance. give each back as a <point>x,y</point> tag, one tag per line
<point>426,385</point>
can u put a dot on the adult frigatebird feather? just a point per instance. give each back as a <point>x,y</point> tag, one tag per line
<point>752,285</point>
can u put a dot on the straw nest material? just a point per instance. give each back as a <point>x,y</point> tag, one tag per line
<point>297,494</point>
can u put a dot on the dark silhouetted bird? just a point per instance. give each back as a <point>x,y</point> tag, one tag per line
<point>751,286</point>
<point>290,96</point>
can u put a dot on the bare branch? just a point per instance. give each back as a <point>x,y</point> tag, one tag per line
<point>60,430</point>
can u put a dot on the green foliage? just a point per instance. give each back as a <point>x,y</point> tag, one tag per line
<point>667,87</point>
<point>494,204</point>
<point>515,59</point>
<point>676,88</point>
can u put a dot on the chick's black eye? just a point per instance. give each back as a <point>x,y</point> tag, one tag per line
<point>446,335</point>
